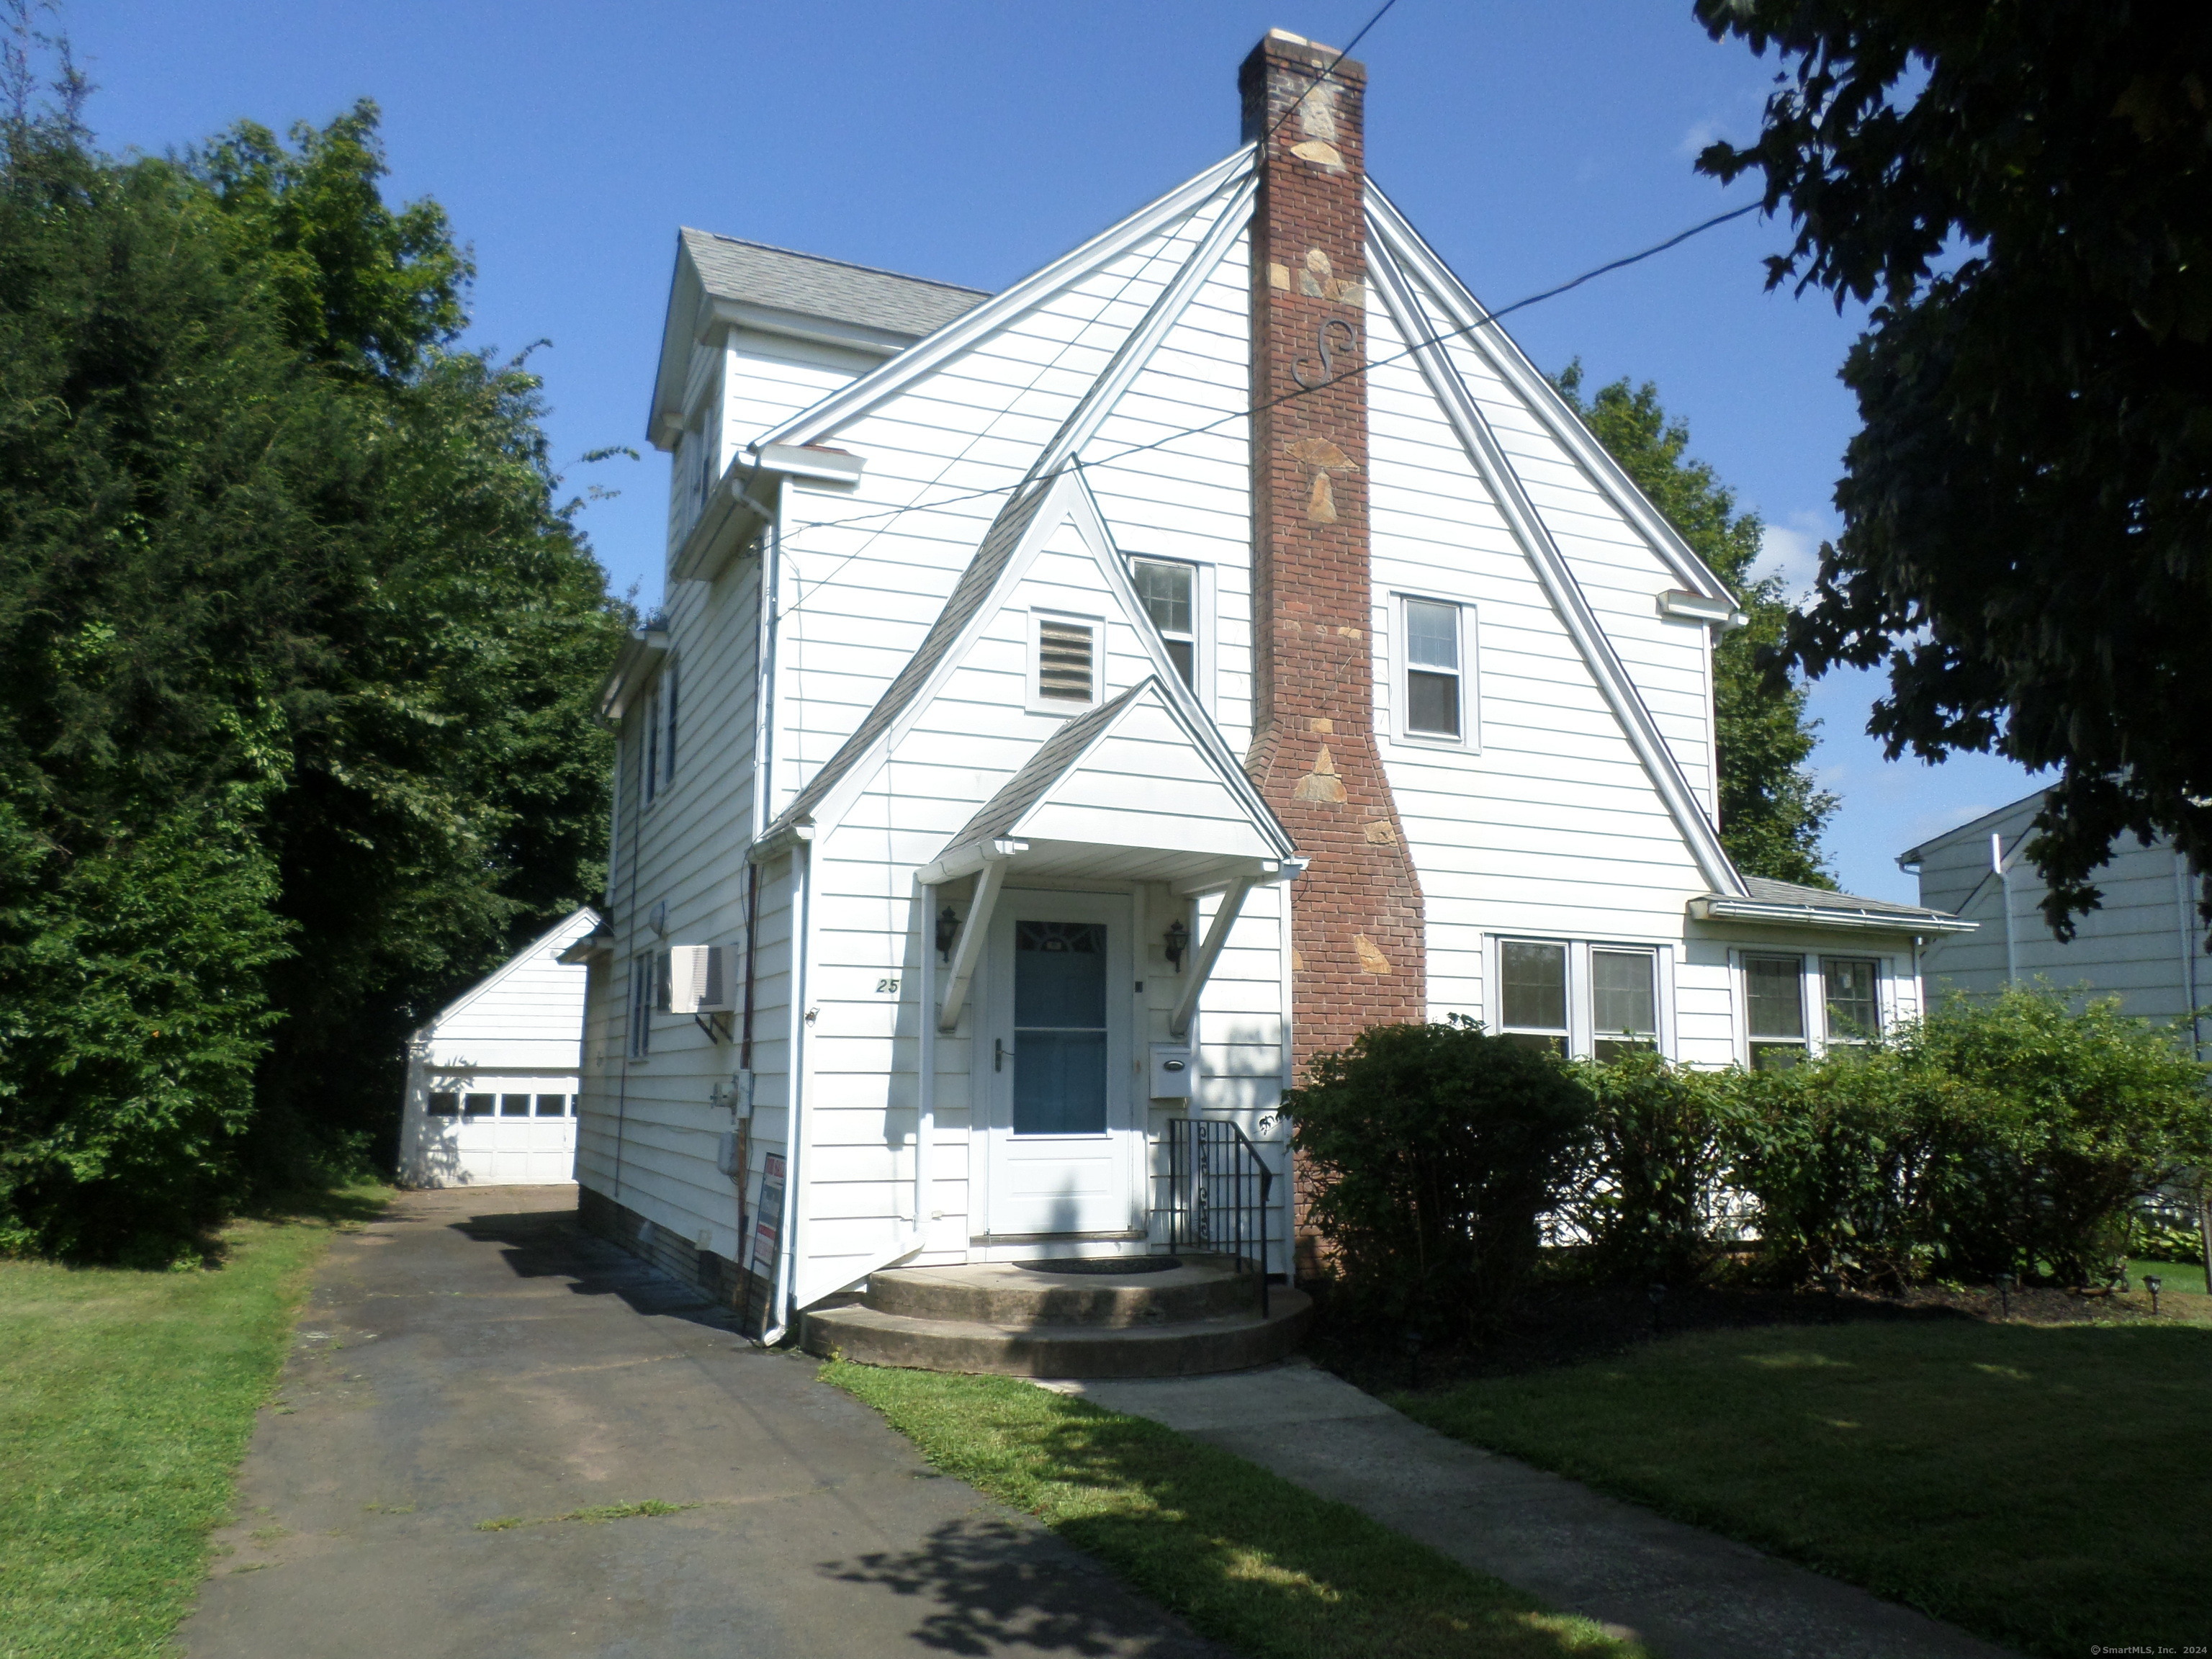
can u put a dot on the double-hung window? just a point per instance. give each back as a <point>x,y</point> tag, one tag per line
<point>1169,590</point>
<point>657,762</point>
<point>1774,1006</point>
<point>1435,704</point>
<point>1533,994</point>
<point>1851,998</point>
<point>649,762</point>
<point>1624,1001</point>
<point>1791,1009</point>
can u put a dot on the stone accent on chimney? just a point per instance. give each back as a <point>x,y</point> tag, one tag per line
<point>1360,955</point>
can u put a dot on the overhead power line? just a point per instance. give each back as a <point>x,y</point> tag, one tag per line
<point>1182,433</point>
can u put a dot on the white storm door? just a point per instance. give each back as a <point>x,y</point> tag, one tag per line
<point>1061,1128</point>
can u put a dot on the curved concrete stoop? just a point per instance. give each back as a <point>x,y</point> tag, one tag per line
<point>1010,1320</point>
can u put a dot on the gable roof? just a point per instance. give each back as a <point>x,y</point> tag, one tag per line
<point>1062,753</point>
<point>1977,826</point>
<point>810,285</point>
<point>554,939</point>
<point>817,423</point>
<point>974,586</point>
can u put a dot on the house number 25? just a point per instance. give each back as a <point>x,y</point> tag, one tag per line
<point>887,988</point>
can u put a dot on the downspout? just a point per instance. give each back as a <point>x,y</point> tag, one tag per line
<point>795,1122</point>
<point>925,1090</point>
<point>1999,863</point>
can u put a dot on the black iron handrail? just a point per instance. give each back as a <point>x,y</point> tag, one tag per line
<point>1219,1189</point>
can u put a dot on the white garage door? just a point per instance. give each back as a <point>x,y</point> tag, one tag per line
<point>491,1130</point>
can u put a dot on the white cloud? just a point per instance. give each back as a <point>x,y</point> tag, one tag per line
<point>1791,551</point>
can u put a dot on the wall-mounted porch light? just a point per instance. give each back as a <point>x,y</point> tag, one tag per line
<point>1176,943</point>
<point>948,925</point>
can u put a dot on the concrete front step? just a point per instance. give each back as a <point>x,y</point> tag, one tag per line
<point>1221,1342</point>
<point>1015,1294</point>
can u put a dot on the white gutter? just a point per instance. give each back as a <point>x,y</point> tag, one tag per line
<point>1714,908</point>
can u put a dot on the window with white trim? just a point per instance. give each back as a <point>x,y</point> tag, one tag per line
<point>1064,653</point>
<point>1434,688</point>
<point>1851,998</point>
<point>1169,590</point>
<point>1774,1011</point>
<point>1624,1001</point>
<point>649,761</point>
<point>1532,979</point>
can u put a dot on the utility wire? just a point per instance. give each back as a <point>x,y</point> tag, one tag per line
<point>1487,319</point>
<point>1326,73</point>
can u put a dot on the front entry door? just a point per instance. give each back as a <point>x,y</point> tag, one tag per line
<point>1053,1060</point>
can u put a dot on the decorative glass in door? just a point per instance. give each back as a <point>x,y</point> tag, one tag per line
<point>1059,1028</point>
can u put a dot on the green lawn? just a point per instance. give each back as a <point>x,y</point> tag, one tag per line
<point>2044,1485</point>
<point>1241,1555</point>
<point>126,1399</point>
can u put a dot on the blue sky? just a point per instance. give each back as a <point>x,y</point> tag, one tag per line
<point>972,141</point>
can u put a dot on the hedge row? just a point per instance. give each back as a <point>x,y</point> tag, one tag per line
<point>2015,1135</point>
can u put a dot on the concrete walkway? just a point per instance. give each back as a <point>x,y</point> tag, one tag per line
<point>475,1355</point>
<point>1686,1592</point>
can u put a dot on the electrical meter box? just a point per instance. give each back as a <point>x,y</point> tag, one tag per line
<point>1171,1071</point>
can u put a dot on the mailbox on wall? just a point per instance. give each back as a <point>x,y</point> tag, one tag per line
<point>1171,1069</point>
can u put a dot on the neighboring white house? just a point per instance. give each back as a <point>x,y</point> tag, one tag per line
<point>492,1081</point>
<point>1061,724</point>
<point>2144,942</point>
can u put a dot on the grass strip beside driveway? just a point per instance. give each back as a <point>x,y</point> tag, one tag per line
<point>1240,1554</point>
<point>2044,1486</point>
<point>126,1400</point>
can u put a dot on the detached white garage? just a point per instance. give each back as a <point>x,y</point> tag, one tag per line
<point>492,1081</point>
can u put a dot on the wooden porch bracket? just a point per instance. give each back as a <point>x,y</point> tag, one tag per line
<point>1209,951</point>
<point>969,950</point>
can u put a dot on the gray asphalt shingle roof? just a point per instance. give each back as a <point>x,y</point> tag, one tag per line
<point>1821,898</point>
<point>816,287</point>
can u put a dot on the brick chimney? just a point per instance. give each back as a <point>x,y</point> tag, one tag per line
<point>1357,932</point>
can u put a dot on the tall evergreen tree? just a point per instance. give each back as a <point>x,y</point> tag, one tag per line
<point>1772,812</point>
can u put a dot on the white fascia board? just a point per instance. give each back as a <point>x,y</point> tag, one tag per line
<point>665,417</point>
<point>1817,916</point>
<point>816,461</point>
<point>1392,229</point>
<point>1490,464</point>
<point>640,655</point>
<point>811,425</point>
<point>1097,403</point>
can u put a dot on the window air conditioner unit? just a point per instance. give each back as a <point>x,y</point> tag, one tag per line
<point>698,979</point>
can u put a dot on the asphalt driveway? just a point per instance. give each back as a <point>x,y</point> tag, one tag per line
<point>474,1356</point>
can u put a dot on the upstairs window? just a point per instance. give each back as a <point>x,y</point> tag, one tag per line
<point>1169,591</point>
<point>649,763</point>
<point>1433,705</point>
<point>641,978</point>
<point>657,763</point>
<point>1533,979</point>
<point>1063,663</point>
<point>1774,1001</point>
<point>1625,1002</point>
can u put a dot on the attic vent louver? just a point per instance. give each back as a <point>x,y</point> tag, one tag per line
<point>1064,660</point>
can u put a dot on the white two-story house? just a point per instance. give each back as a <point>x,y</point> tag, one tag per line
<point>1074,706</point>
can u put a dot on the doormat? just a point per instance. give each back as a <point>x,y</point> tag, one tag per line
<point>1106,1264</point>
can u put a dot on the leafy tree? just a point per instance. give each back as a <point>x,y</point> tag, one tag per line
<point>296,660</point>
<point>1772,810</point>
<point>2020,191</point>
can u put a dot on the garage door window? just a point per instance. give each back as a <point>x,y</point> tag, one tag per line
<point>444,1102</point>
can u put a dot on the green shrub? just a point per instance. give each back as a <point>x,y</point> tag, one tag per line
<point>2108,1110</point>
<point>1871,1169</point>
<point>1428,1153</point>
<point>1650,1195</point>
